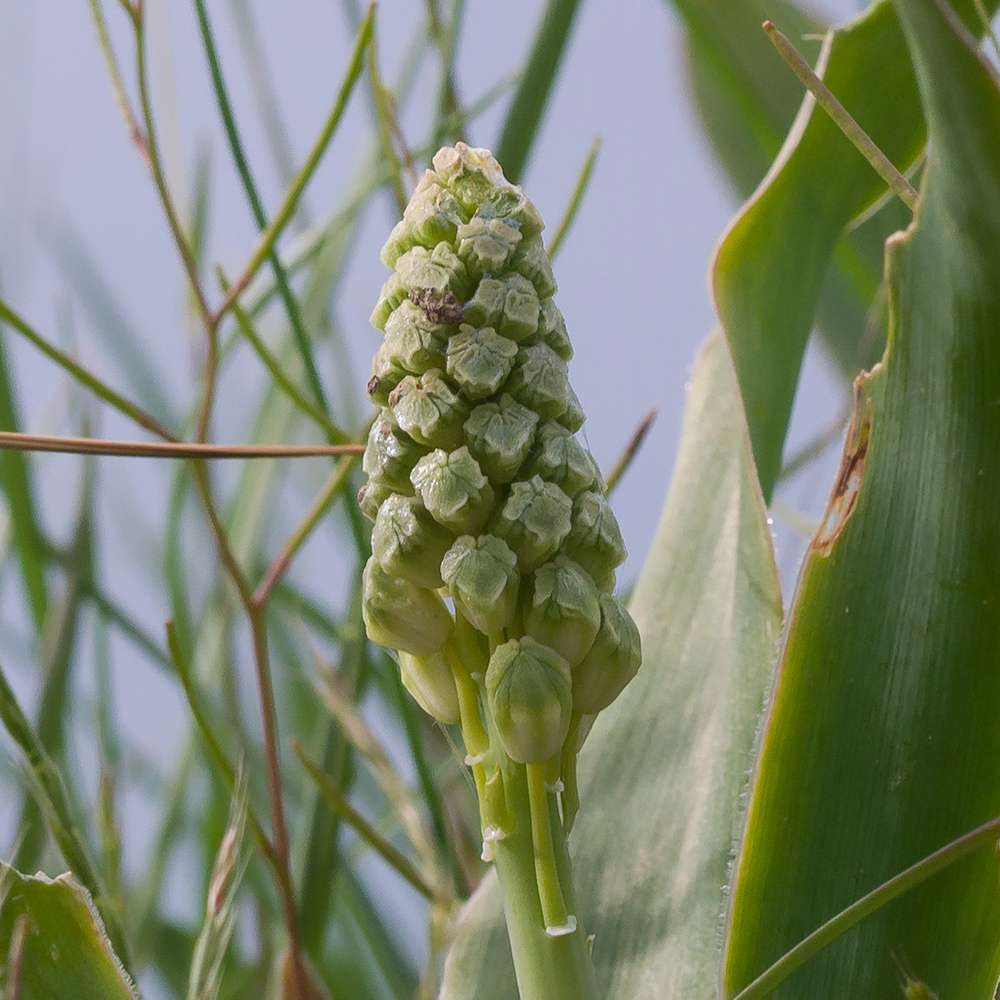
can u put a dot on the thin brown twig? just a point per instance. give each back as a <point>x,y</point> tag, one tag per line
<point>16,441</point>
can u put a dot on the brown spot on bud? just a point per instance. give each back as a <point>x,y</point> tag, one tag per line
<point>373,383</point>
<point>438,307</point>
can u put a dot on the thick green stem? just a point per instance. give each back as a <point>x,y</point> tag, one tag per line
<point>547,968</point>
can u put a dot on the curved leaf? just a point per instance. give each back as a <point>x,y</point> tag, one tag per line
<point>663,768</point>
<point>885,712</point>
<point>51,935</point>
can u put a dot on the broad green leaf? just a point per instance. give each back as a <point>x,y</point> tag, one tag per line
<point>663,768</point>
<point>63,950</point>
<point>878,746</point>
<point>769,269</point>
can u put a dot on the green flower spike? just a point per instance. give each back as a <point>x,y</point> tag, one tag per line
<point>454,489</point>
<point>481,575</point>
<point>563,611</point>
<point>475,439</point>
<point>430,680</point>
<point>409,543</point>
<point>400,615</point>
<point>612,661</point>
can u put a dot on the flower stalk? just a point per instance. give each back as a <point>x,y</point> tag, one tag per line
<point>494,548</point>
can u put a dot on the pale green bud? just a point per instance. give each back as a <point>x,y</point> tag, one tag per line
<point>439,270</point>
<point>390,453</point>
<point>400,615</point>
<point>415,342</point>
<point>429,410</point>
<point>573,417</point>
<point>371,496</point>
<point>393,292</point>
<point>529,695</point>
<point>485,308</point>
<point>540,381</point>
<point>519,317</point>
<point>612,661</point>
<point>558,457</point>
<point>499,436</point>
<point>454,489</point>
<point>408,542</point>
<point>479,361</point>
<point>533,521</point>
<point>386,374</point>
<point>595,540</point>
<point>482,577</point>
<point>552,329</point>
<point>433,214</point>
<point>400,240</point>
<point>485,245</point>
<point>562,611</point>
<point>531,260</point>
<point>430,680</point>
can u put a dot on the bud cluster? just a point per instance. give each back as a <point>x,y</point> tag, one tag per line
<point>479,488</point>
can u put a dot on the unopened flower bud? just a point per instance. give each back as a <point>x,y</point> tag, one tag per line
<point>393,292</point>
<point>485,245</point>
<point>562,611</point>
<point>408,542</point>
<point>482,578</point>
<point>390,453</point>
<point>386,374</point>
<point>414,341</point>
<point>499,435</point>
<point>430,680</point>
<point>439,270</point>
<point>371,496</point>
<point>400,615</point>
<point>595,540</point>
<point>433,214</point>
<point>519,317</point>
<point>529,694</point>
<point>429,410</point>
<point>531,260</point>
<point>560,458</point>
<point>612,661</point>
<point>454,489</point>
<point>573,417</point>
<point>479,361</point>
<point>533,521</point>
<point>540,381</point>
<point>552,330</point>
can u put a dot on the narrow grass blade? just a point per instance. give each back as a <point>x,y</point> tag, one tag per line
<point>66,952</point>
<point>579,190</point>
<point>17,484</point>
<point>884,712</point>
<point>663,769</point>
<point>520,128</point>
<point>53,798</point>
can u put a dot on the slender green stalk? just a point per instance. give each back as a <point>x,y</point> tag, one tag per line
<point>269,236</point>
<point>547,967</point>
<point>337,801</point>
<point>892,889</point>
<point>631,449</point>
<point>862,141</point>
<point>383,120</point>
<point>100,389</point>
<point>299,334</point>
<point>524,117</point>
<point>576,198</point>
